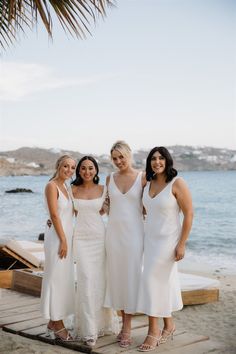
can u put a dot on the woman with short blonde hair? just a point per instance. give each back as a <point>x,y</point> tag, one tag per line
<point>124,237</point>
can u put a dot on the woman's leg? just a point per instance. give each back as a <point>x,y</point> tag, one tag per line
<point>168,329</point>
<point>153,336</point>
<point>125,339</point>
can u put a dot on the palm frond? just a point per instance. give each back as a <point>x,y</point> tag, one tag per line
<point>75,16</point>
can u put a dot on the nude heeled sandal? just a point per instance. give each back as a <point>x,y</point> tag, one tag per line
<point>165,338</point>
<point>148,347</point>
<point>125,342</point>
<point>68,337</point>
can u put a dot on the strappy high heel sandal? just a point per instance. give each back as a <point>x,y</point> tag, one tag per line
<point>125,340</point>
<point>166,335</point>
<point>148,347</point>
<point>90,342</point>
<point>68,338</point>
<point>50,333</point>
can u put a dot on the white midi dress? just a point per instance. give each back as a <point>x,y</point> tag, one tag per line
<point>57,295</point>
<point>92,319</point>
<point>124,246</point>
<point>159,291</point>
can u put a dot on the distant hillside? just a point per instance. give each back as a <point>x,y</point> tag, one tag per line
<point>36,161</point>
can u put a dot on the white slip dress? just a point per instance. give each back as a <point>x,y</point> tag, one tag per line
<point>124,246</point>
<point>92,319</point>
<point>159,291</point>
<point>57,295</point>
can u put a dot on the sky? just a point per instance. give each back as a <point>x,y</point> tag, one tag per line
<point>154,72</point>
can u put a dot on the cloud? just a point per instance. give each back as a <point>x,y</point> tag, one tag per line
<point>19,81</point>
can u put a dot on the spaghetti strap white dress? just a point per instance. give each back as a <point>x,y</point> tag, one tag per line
<point>124,246</point>
<point>159,291</point>
<point>57,295</point>
<point>92,319</point>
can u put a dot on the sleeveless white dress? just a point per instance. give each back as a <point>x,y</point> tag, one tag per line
<point>57,295</point>
<point>159,292</point>
<point>92,319</point>
<point>124,246</point>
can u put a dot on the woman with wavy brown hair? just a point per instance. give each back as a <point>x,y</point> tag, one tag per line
<point>164,197</point>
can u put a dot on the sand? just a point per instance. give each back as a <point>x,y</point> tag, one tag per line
<point>216,320</point>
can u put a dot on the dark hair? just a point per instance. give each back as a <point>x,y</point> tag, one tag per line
<point>170,171</point>
<point>78,180</point>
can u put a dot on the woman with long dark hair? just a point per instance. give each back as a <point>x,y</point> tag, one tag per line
<point>92,319</point>
<point>165,195</point>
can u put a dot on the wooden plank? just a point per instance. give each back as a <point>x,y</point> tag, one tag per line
<point>34,332</point>
<point>75,346</point>
<point>5,279</point>
<point>26,282</point>
<point>202,296</point>
<point>18,318</point>
<point>19,310</point>
<point>12,298</point>
<point>25,325</point>
<point>181,340</point>
<point>19,303</point>
<point>142,322</point>
<point>202,347</point>
<point>138,336</point>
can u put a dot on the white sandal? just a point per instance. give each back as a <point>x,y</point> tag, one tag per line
<point>90,342</point>
<point>169,334</point>
<point>68,338</point>
<point>148,347</point>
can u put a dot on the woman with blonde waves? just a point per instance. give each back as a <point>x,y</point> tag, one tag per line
<point>57,297</point>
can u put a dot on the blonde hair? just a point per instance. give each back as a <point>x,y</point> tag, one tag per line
<point>59,163</point>
<point>123,148</point>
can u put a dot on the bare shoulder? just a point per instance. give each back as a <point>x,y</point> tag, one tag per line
<point>51,186</point>
<point>179,185</point>
<point>101,187</point>
<point>74,189</point>
<point>51,190</point>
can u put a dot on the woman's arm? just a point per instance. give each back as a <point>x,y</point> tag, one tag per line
<point>184,200</point>
<point>51,193</point>
<point>144,181</point>
<point>73,196</point>
<point>106,204</point>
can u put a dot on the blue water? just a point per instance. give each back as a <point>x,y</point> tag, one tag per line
<point>213,236</point>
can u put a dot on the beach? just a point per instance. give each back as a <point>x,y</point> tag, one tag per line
<point>216,320</point>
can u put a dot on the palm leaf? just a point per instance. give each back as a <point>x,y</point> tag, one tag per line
<point>75,16</point>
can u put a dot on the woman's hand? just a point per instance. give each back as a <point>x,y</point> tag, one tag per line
<point>179,252</point>
<point>102,211</point>
<point>63,249</point>
<point>105,206</point>
<point>49,223</point>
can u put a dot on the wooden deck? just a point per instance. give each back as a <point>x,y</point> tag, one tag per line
<point>19,314</point>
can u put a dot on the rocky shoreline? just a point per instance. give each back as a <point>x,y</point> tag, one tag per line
<point>37,161</point>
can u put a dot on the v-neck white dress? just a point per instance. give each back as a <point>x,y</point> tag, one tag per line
<point>57,295</point>
<point>124,246</point>
<point>159,291</point>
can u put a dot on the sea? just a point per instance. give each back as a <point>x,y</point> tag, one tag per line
<point>212,241</point>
